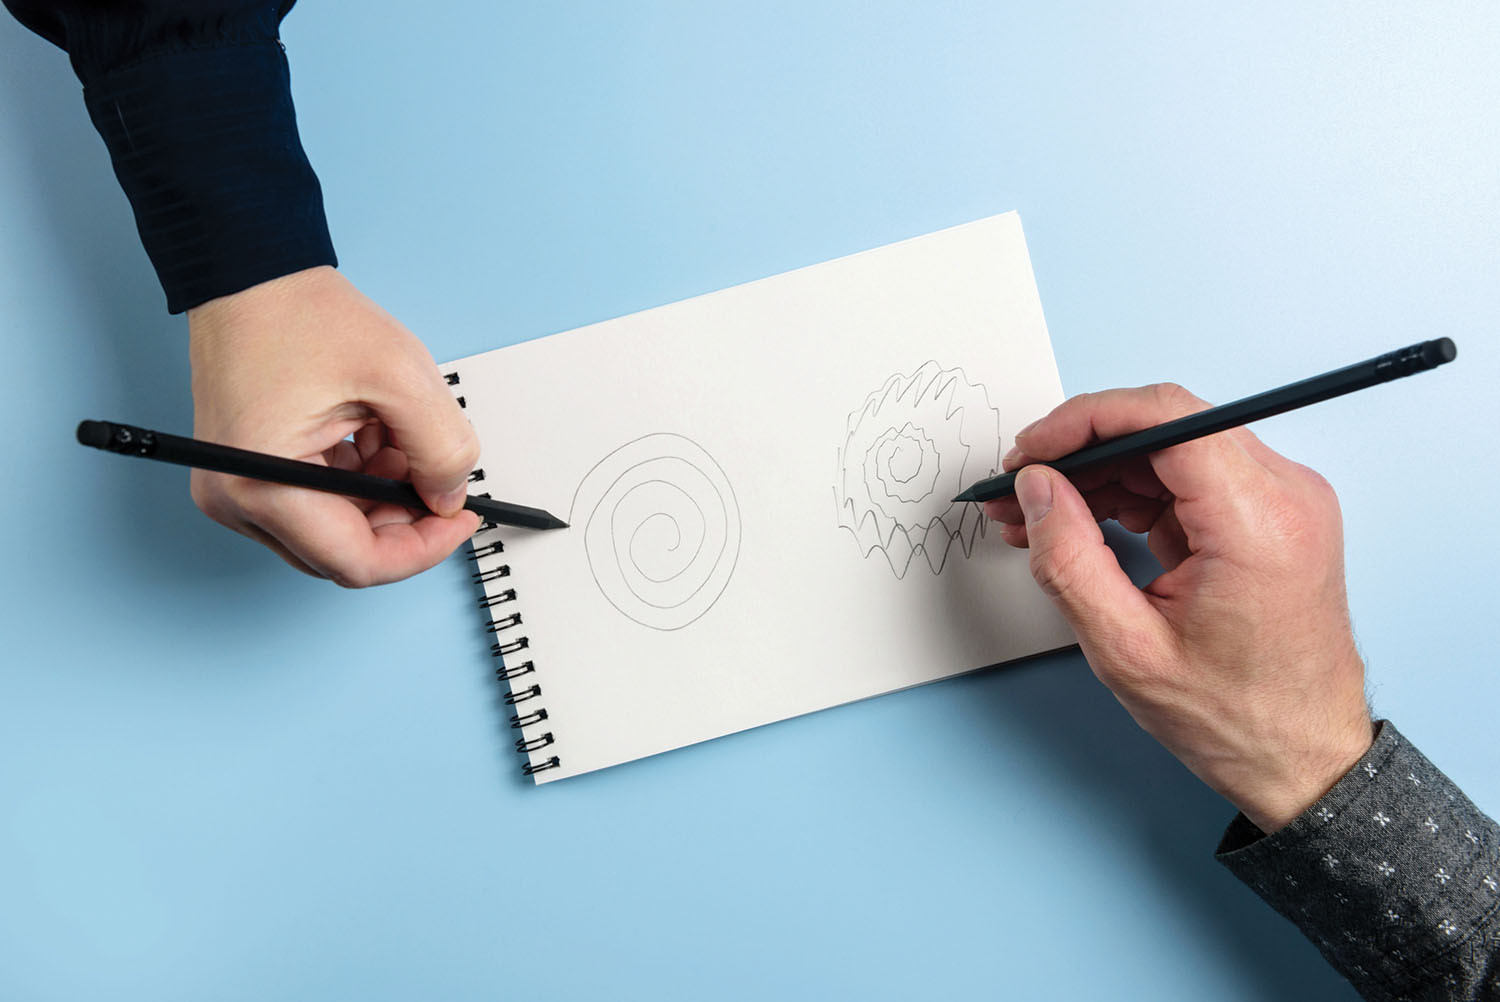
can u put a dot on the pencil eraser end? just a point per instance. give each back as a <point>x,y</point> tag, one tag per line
<point>1440,351</point>
<point>95,433</point>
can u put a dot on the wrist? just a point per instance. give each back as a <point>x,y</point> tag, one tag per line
<point>258,299</point>
<point>1305,778</point>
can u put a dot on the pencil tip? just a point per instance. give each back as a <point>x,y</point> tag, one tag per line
<point>555,523</point>
<point>967,495</point>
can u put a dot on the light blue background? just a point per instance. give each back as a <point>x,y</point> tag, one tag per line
<point>219,779</point>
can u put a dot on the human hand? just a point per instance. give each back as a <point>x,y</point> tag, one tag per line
<point>1239,658</point>
<point>292,366</point>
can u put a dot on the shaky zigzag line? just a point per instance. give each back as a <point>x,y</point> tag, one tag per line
<point>936,476</point>
<point>862,505</point>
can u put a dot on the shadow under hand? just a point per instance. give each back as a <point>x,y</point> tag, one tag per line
<point>1146,801</point>
<point>126,357</point>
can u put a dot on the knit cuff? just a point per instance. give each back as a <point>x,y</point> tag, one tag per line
<point>1393,874</point>
<point>204,142</point>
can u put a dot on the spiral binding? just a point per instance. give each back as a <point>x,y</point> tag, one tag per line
<point>531,770</point>
<point>522,695</point>
<point>526,699</point>
<point>506,674</point>
<point>535,744</point>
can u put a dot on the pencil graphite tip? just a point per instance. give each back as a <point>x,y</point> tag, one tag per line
<point>967,495</point>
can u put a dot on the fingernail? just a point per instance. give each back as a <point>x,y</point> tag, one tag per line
<point>1014,454</point>
<point>1034,492</point>
<point>1028,428</point>
<point>452,502</point>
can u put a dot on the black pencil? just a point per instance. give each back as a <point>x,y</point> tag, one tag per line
<point>129,440</point>
<point>1381,369</point>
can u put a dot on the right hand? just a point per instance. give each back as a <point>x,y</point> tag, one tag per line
<point>293,366</point>
<point>1239,658</point>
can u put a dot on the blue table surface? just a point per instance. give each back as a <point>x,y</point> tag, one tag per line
<point>219,779</point>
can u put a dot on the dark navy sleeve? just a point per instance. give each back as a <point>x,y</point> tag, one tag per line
<point>193,100</point>
<point>1394,874</point>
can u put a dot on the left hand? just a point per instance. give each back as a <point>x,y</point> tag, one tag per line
<point>292,367</point>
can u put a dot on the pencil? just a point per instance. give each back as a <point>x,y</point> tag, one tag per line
<point>1380,369</point>
<point>129,440</point>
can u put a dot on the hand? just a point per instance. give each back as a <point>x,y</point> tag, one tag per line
<point>293,366</point>
<point>1239,658</point>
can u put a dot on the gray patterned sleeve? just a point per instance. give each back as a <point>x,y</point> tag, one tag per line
<point>1393,874</point>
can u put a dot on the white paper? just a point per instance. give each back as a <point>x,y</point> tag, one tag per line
<point>757,483</point>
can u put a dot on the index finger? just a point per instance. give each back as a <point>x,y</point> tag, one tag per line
<point>334,537</point>
<point>1218,467</point>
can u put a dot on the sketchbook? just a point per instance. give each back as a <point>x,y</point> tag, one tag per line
<point>757,483</point>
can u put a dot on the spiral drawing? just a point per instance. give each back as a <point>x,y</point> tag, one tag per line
<point>917,441</point>
<point>661,529</point>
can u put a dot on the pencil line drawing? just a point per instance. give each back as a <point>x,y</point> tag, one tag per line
<point>661,529</point>
<point>915,443</point>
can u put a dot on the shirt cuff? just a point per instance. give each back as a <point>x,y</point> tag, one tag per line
<point>1393,873</point>
<point>204,142</point>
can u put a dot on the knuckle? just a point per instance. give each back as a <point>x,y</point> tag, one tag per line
<point>1078,401</point>
<point>1175,398</point>
<point>1140,650</point>
<point>254,503</point>
<point>417,372</point>
<point>345,568</point>
<point>461,454</point>
<point>1299,527</point>
<point>1055,568</point>
<point>1079,404</point>
<point>207,491</point>
<point>1317,485</point>
<point>201,489</point>
<point>1136,659</point>
<point>352,578</point>
<point>469,448</point>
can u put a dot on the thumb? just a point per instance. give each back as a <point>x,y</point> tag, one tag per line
<point>441,448</point>
<point>1072,564</point>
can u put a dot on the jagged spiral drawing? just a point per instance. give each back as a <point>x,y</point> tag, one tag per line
<point>917,441</point>
<point>661,529</point>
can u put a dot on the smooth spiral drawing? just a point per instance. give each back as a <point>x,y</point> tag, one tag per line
<point>917,441</point>
<point>661,529</point>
